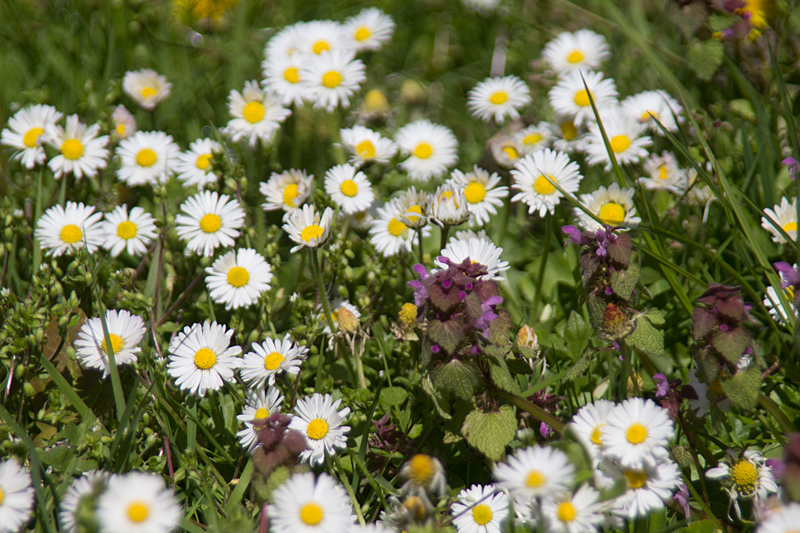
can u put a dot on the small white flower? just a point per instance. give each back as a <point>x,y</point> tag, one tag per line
<point>126,331</point>
<point>533,138</point>
<point>614,206</point>
<point>480,509</point>
<point>26,131</point>
<point>535,471</point>
<point>567,137</point>
<point>193,166</point>
<point>305,505</point>
<point>481,192</point>
<point>388,234</point>
<point>588,423</point>
<point>651,107</point>
<point>308,228</point>
<point>318,418</point>
<point>349,189</point>
<point>498,98</point>
<point>257,115</point>
<point>282,77</point>
<point>146,86</point>
<point>777,310</point>
<point>573,513</point>
<point>569,52</point>
<point>782,520</point>
<point>663,173</point>
<point>748,478</point>
<point>82,151</point>
<point>92,482</point>
<point>478,250</point>
<point>449,206</point>
<point>367,146</point>
<point>533,175</point>
<point>784,216</point>
<point>569,96</point>
<point>369,30</point>
<point>62,230</point>
<point>432,148</point>
<point>332,78</point>
<point>624,136</point>
<point>636,433</point>
<point>287,191</point>
<point>270,358</point>
<point>285,43</point>
<point>505,150</point>
<point>201,358</point>
<point>259,405</point>
<point>319,36</point>
<point>17,496</point>
<point>238,278</point>
<point>423,474</point>
<point>138,503</point>
<point>210,221</point>
<point>148,157</point>
<point>124,123</point>
<point>648,487</point>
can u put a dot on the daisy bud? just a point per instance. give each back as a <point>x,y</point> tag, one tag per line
<point>375,102</point>
<point>527,337</point>
<point>347,321</point>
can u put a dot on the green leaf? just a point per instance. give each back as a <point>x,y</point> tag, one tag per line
<point>624,281</point>
<point>743,387</point>
<point>597,309</point>
<point>682,456</point>
<point>501,376</point>
<point>731,344</point>
<point>655,317</point>
<point>705,58</point>
<point>447,334</point>
<point>457,378</point>
<point>578,368</point>
<point>491,432</point>
<point>439,402</point>
<point>646,337</point>
<point>577,335</point>
<point>392,398</point>
<point>472,305</point>
<point>742,108</point>
<point>500,327</point>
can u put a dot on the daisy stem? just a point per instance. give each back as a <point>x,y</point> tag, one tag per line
<point>323,296</point>
<point>62,193</point>
<point>443,242</point>
<point>700,502</point>
<point>542,267</point>
<point>343,477</point>
<point>421,247</point>
<point>37,250</point>
<point>640,525</point>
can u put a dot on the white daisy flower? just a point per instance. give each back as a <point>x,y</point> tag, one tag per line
<point>147,157</point>
<point>270,358</point>
<point>210,220</point>
<point>567,137</point>
<point>573,513</point>
<point>25,133</point>
<point>282,77</point>
<point>362,220</point>
<point>448,206</point>
<point>388,234</point>
<point>749,478</point>
<point>505,150</point>
<point>624,135</point>
<point>533,138</point>
<point>663,173</point>
<point>432,148</point>
<point>332,78</point>
<point>238,278</point>
<point>413,206</point>
<point>423,474</point>
<point>650,107</point>
<point>480,509</point>
<point>367,146</point>
<point>62,230</point>
<point>588,423</point>
<point>569,96</point>
<point>782,520</point>
<point>305,505</point>
<point>318,418</point>
<point>125,330</point>
<point>319,36</point>
<point>308,228</point>
<point>776,310</point>
<point>569,52</point>
<point>82,151</point>
<point>498,98</point>
<point>478,250</point>
<point>16,496</point>
<point>481,192</point>
<point>535,471</point>
<point>138,502</point>
<point>193,166</point>
<point>349,189</point>
<point>287,191</point>
<point>648,488</point>
<point>259,405</point>
<point>285,43</point>
<point>614,206</point>
<point>636,433</point>
<point>201,358</point>
<point>369,30</point>
<point>124,122</point>
<point>536,190</point>
<point>785,216</point>
<point>89,484</point>
<point>146,87</point>
<point>701,404</point>
<point>256,115</point>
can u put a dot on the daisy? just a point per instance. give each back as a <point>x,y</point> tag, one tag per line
<point>256,115</point>
<point>89,485</point>
<point>332,78</point>
<point>749,477</point>
<point>481,192</point>
<point>124,123</point>
<point>285,43</point>
<point>538,191</point>
<point>305,505</point>
<point>147,158</point>
<point>624,136</point>
<point>777,310</point>
<point>388,234</point>
<point>349,189</point>
<point>138,502</point>
<point>82,151</point>
<point>783,520</point>
<point>784,216</point>
<point>318,418</point>
<point>614,206</point>
<point>535,471</point>
<point>258,406</point>
<point>16,496</point>
<point>132,232</point>
<point>569,96</point>
<point>648,487</point>
<point>194,166</point>
<point>432,148</point>
<point>308,228</point>
<point>652,107</point>
<point>319,36</point>
<point>201,357</point>
<point>569,52</point>
<point>287,190</point>
<point>423,474</point>
<point>567,137</point>
<point>505,150</point>
<point>663,173</point>
<point>62,230</point>
<point>362,220</point>
<point>146,86</point>
<point>636,433</point>
<point>270,358</point>
<point>573,513</point>
<point>238,278</point>
<point>480,509</point>
<point>25,133</point>
<point>533,138</point>
<point>367,146</point>
<point>339,310</point>
<point>210,220</point>
<point>498,98</point>
<point>282,77</point>
<point>369,30</point>
<point>477,250</point>
<point>126,331</point>
<point>413,206</point>
<point>701,404</point>
<point>448,206</point>
<point>588,423</point>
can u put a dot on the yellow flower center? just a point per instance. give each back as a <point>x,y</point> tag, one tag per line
<point>597,434</point>
<point>423,151</point>
<point>146,158</point>
<point>745,475</point>
<point>535,479</point>
<point>71,234</point>
<point>317,429</point>
<point>408,314</point>
<point>532,139</point>
<point>791,226</point>
<point>566,512</point>
<point>289,194</point>
<point>331,79</point>
<point>148,92</point>
<point>72,149</point>
<point>612,214</point>
<point>311,514</point>
<point>446,195</point>
<point>510,152</point>
<point>349,188</point>
<point>475,192</point>
<point>636,478</point>
<point>32,136</point>
<point>421,469</point>
<point>203,161</point>
<point>127,230</point>
<point>498,98</point>
<point>414,209</point>
<point>662,172</point>
<point>273,361</point>
<point>1,496</point>
<point>238,276</point>
<point>362,34</point>
<point>138,511</point>
<point>375,101</point>
<point>396,227</point>
<point>311,232</point>
<point>204,359</point>
<point>120,129</point>
<point>365,149</point>
<point>582,98</point>
<point>210,223</point>
<point>620,143</point>
<point>253,112</point>
<point>575,57</point>
<point>648,115</point>
<point>321,46</point>
<point>261,413</point>
<point>789,293</point>
<point>482,514</point>
<point>542,186</point>
<point>568,130</point>
<point>291,75</point>
<point>116,343</point>
<point>636,433</point>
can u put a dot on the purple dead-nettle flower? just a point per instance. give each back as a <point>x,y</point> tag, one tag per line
<point>794,166</point>
<point>790,275</point>
<point>662,385</point>
<point>682,498</point>
<point>575,236</point>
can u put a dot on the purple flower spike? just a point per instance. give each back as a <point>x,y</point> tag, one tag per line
<point>794,166</point>
<point>575,235</point>
<point>662,385</point>
<point>421,271</point>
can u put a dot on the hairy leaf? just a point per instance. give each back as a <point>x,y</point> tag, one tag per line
<point>743,387</point>
<point>457,378</point>
<point>623,282</point>
<point>447,334</point>
<point>491,432</point>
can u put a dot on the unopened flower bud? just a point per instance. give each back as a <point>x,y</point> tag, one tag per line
<point>347,321</point>
<point>526,338</point>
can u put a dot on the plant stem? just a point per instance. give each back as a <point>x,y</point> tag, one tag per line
<point>443,241</point>
<point>421,247</point>
<point>535,410</point>
<point>542,267</point>
<point>626,357</point>
<point>349,488</point>
<point>323,296</point>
